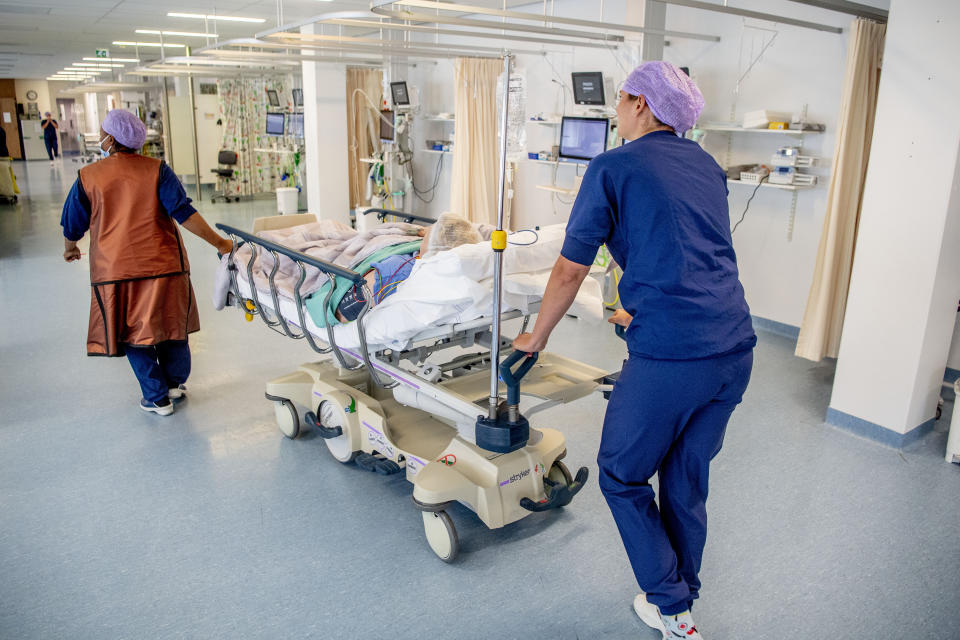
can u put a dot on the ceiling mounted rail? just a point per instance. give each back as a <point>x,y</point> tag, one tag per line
<point>395,9</point>
<point>296,39</point>
<point>422,50</point>
<point>379,24</point>
<point>853,8</point>
<point>746,13</point>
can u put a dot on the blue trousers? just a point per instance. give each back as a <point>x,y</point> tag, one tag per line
<point>667,417</point>
<point>53,147</point>
<point>160,367</point>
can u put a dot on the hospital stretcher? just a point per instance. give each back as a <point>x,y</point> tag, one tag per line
<point>417,410</point>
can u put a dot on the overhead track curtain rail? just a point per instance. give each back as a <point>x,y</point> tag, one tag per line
<point>380,25</point>
<point>746,13</point>
<point>422,50</point>
<point>429,18</point>
<point>852,8</point>
<point>330,40</point>
<point>394,9</point>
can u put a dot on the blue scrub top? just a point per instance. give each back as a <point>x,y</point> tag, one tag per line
<point>75,218</point>
<point>659,203</point>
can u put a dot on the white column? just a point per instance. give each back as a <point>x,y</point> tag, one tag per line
<point>325,138</point>
<point>906,273</point>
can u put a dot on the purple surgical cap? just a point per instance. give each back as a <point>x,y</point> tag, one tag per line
<point>672,96</point>
<point>125,128</point>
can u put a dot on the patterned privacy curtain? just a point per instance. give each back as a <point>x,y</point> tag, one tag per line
<point>473,184</point>
<point>360,116</point>
<point>827,301</point>
<point>243,114</point>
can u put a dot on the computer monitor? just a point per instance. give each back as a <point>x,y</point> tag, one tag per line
<point>273,98</point>
<point>386,126</point>
<point>295,125</point>
<point>297,97</point>
<point>401,97</point>
<point>275,123</point>
<point>583,138</point>
<point>588,88</point>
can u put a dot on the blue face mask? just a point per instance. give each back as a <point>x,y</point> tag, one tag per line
<point>103,153</point>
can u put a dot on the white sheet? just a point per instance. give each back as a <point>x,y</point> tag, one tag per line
<point>456,286</point>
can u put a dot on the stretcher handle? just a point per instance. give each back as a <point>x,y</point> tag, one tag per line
<point>512,378</point>
<point>323,265</point>
<point>407,217</point>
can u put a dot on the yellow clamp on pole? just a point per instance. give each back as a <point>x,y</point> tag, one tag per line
<point>250,308</point>
<point>498,240</point>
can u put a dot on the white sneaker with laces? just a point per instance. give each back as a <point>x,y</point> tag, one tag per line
<point>648,613</point>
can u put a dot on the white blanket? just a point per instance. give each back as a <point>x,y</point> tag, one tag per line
<point>457,286</point>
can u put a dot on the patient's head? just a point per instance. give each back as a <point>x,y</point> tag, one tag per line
<point>449,231</point>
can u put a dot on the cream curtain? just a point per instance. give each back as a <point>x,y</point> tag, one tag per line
<point>360,115</point>
<point>827,301</point>
<point>473,183</point>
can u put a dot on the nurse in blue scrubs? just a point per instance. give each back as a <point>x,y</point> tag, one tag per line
<point>659,203</point>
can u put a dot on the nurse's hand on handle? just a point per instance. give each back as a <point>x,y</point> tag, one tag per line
<point>527,343</point>
<point>196,225</point>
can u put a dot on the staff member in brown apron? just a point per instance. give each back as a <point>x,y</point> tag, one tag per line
<point>142,303</point>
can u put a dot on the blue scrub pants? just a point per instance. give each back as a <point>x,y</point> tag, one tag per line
<point>667,417</point>
<point>53,147</point>
<point>160,367</point>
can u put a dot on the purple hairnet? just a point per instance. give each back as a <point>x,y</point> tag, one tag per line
<point>125,127</point>
<point>672,96</point>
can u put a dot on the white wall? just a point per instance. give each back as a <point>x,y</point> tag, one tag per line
<point>325,138</point>
<point>43,100</point>
<point>901,310</point>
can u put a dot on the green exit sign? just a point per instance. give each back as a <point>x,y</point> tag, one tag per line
<point>103,53</point>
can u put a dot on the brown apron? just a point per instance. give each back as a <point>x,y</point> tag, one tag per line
<point>139,270</point>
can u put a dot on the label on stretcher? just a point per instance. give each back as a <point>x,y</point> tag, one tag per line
<point>414,465</point>
<point>378,441</point>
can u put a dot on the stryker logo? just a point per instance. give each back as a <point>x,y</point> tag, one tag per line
<point>516,477</point>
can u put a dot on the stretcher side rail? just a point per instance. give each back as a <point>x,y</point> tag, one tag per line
<point>329,269</point>
<point>407,217</point>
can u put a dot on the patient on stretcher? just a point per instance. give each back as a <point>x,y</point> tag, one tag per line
<point>383,277</point>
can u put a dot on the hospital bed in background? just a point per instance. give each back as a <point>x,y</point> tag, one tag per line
<point>418,409</point>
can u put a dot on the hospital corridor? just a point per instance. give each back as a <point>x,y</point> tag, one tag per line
<point>482,320</point>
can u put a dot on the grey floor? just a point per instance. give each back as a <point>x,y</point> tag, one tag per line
<point>210,524</point>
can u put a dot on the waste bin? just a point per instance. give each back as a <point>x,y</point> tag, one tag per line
<point>287,200</point>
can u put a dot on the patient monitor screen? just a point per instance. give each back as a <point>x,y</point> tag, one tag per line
<point>583,138</point>
<point>398,91</point>
<point>588,88</point>
<point>274,124</point>
<point>386,126</point>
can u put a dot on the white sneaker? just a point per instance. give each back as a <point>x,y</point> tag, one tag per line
<point>648,613</point>
<point>177,393</point>
<point>681,626</point>
<point>154,407</point>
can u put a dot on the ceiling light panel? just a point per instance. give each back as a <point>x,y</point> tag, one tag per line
<point>113,59</point>
<point>202,16</point>
<point>185,34</point>
<point>125,43</point>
